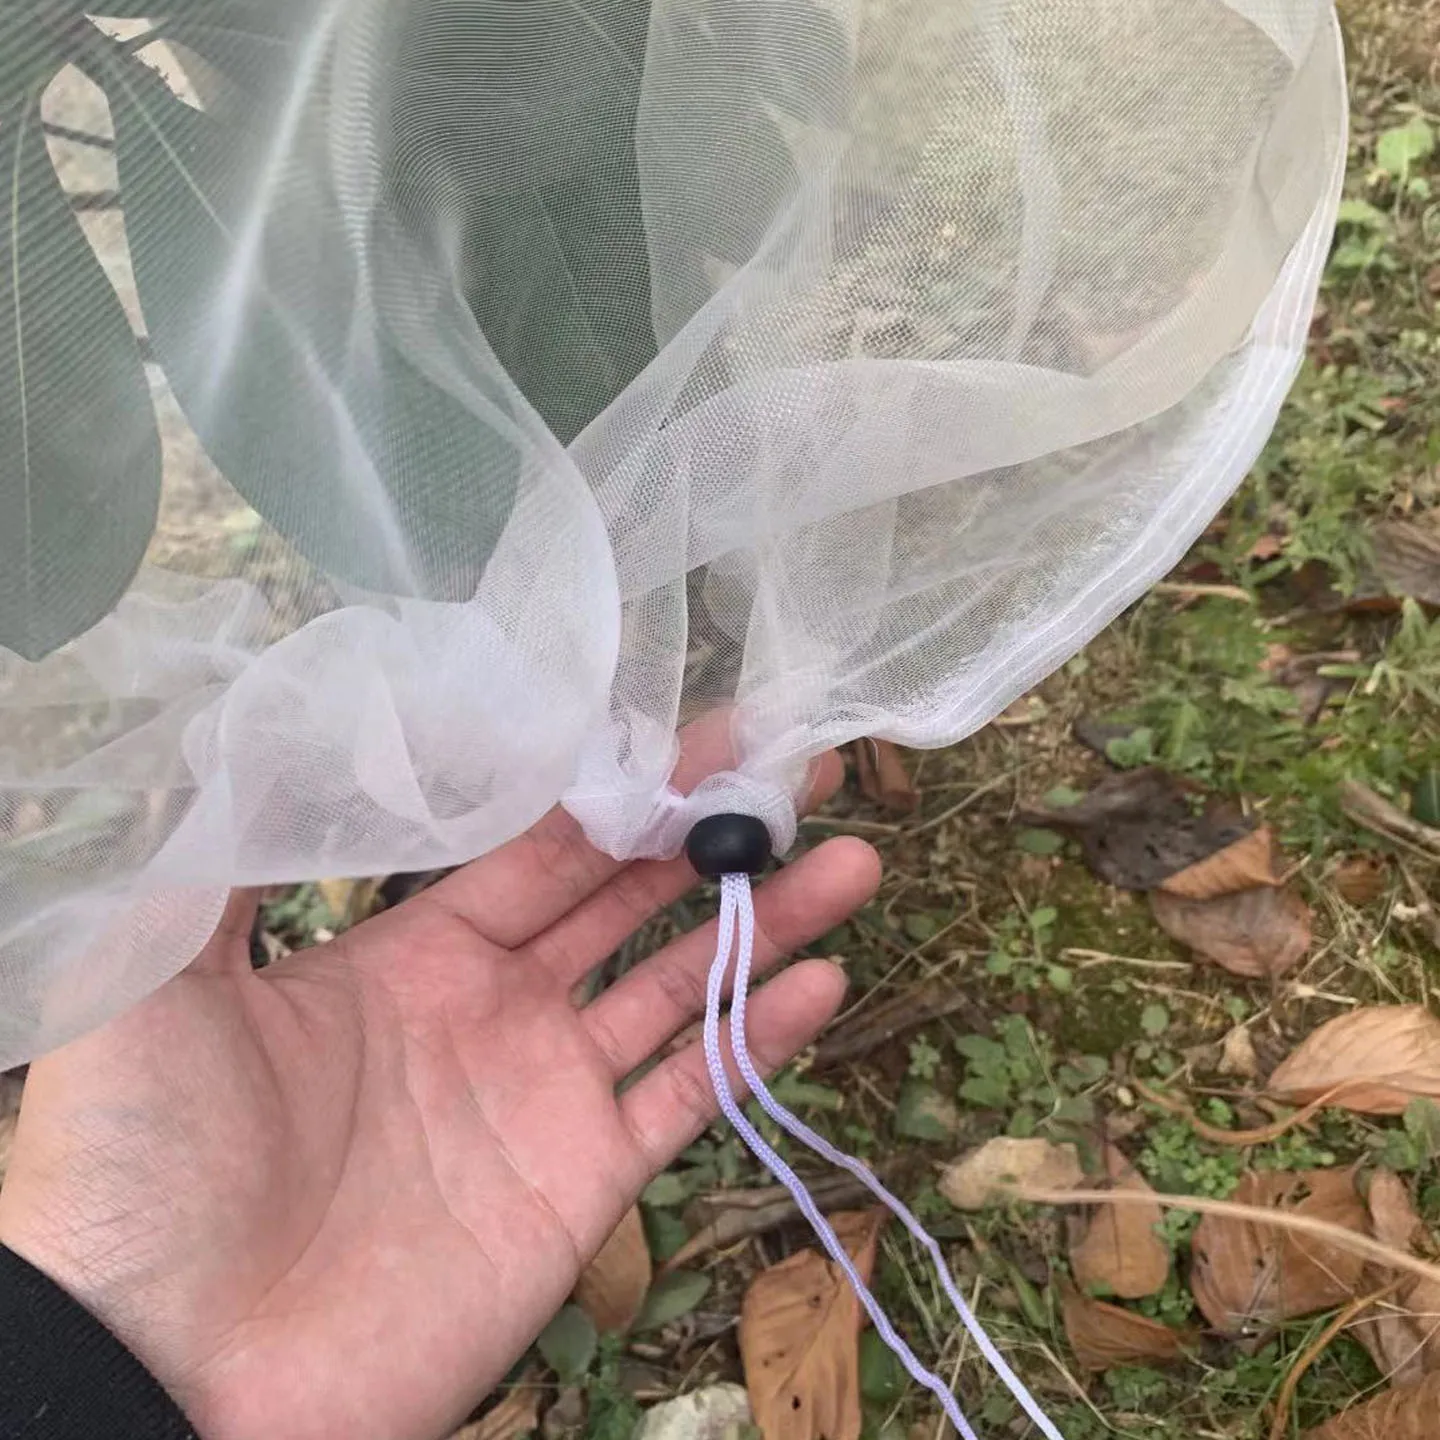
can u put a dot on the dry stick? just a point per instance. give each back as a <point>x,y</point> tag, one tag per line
<point>1312,1353</point>
<point>1336,1235</point>
<point>1261,1135</point>
<point>962,805</point>
<point>745,1221</point>
<point>1216,592</point>
<point>1362,805</point>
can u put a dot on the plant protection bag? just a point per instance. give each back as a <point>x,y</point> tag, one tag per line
<point>411,411</point>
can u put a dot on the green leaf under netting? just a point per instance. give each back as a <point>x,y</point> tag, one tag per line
<point>295,383</point>
<point>517,122</point>
<point>79,448</point>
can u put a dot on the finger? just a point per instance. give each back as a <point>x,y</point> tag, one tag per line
<point>630,1021</point>
<point>672,1105</point>
<point>581,939</point>
<point>228,949</point>
<point>517,890</point>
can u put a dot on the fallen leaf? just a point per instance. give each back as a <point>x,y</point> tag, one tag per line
<point>1025,711</point>
<point>799,1339</point>
<point>1249,862</point>
<point>1267,547</point>
<point>1393,1217</point>
<point>883,778</point>
<point>1137,828</point>
<point>1380,1056</point>
<point>1237,1054</point>
<point>1116,1248</point>
<point>1103,1336</point>
<point>612,1287</point>
<point>1407,556</point>
<point>1258,933</point>
<point>1401,1331</point>
<point>1360,879</point>
<point>517,1412</point>
<point>714,1412</point>
<point>1399,1415</point>
<point>1247,1276</point>
<point>1120,1251</point>
<point>986,1175</point>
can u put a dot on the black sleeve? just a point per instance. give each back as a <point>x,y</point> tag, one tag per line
<point>64,1376</point>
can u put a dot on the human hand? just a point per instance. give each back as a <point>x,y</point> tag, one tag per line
<point>339,1196</point>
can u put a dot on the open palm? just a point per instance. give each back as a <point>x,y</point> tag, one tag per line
<point>341,1195</point>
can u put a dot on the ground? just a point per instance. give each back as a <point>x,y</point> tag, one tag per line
<point>999,986</point>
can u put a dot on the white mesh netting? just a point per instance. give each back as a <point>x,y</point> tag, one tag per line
<point>410,413</point>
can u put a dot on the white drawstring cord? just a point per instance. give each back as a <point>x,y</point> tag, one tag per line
<point>737,912</point>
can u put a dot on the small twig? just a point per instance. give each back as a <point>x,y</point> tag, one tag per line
<point>851,1041</point>
<point>1424,907</point>
<point>86,200</point>
<point>846,825</point>
<point>744,1221</point>
<point>78,137</point>
<point>137,43</point>
<point>1312,1352</point>
<point>1373,812</point>
<point>906,957</point>
<point>1336,1235</point>
<point>1088,958</point>
<point>1261,1135</point>
<point>965,804</point>
<point>1216,592</point>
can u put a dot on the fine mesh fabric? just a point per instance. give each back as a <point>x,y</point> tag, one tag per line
<point>412,413</point>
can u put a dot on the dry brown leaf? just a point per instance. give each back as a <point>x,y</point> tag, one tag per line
<point>799,1338</point>
<point>1249,862</point>
<point>1393,1217</point>
<point>986,1175</point>
<point>516,1413</point>
<point>1104,1335</point>
<point>1120,1253</point>
<point>1247,1276</point>
<point>1399,1415</point>
<point>1237,1054</point>
<point>883,777</point>
<point>1407,555</point>
<point>1402,1331</point>
<point>1259,933</point>
<point>1360,879</point>
<point>612,1287</point>
<point>1379,1056</point>
<point>1138,827</point>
